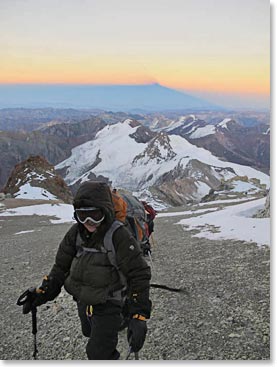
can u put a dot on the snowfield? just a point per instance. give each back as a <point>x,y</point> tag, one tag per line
<point>232,222</point>
<point>203,131</point>
<point>63,212</point>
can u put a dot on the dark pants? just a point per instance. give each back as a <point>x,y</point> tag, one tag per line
<point>102,330</point>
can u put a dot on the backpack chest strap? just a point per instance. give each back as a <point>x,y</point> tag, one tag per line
<point>81,250</point>
<point>107,248</point>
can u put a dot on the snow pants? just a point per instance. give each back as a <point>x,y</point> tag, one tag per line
<point>101,325</point>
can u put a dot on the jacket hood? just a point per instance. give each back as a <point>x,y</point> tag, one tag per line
<point>95,194</point>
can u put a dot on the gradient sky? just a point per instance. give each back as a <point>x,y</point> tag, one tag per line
<point>217,49</point>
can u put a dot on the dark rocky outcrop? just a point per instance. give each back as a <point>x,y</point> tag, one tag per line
<point>143,134</point>
<point>38,172</point>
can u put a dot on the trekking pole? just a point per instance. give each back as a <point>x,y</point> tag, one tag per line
<point>25,300</point>
<point>34,330</point>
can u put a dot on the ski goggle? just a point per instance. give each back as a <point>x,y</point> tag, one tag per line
<point>95,215</point>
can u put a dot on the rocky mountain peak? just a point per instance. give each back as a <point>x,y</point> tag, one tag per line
<point>162,141</point>
<point>142,133</point>
<point>34,178</point>
<point>158,149</point>
<point>131,122</point>
<point>229,124</point>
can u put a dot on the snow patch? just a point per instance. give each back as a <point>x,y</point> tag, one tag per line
<point>35,175</point>
<point>187,212</point>
<point>224,123</point>
<point>200,132</point>
<point>224,201</point>
<point>202,189</point>
<point>241,186</point>
<point>175,124</point>
<point>232,222</point>
<point>22,232</point>
<point>29,192</point>
<point>63,212</point>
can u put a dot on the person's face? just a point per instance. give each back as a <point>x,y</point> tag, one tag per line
<point>90,226</point>
<point>91,218</point>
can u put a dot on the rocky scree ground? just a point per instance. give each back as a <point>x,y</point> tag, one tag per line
<point>224,313</point>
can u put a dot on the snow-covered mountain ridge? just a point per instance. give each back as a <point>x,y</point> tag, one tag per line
<point>167,166</point>
<point>226,138</point>
<point>194,128</point>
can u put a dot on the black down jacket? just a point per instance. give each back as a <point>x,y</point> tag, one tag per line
<point>91,278</point>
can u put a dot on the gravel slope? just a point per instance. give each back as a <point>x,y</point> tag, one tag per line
<point>224,313</point>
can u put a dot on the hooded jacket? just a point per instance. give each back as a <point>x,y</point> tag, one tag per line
<point>91,278</point>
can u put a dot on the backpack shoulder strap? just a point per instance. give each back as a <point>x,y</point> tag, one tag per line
<point>108,242</point>
<point>109,247</point>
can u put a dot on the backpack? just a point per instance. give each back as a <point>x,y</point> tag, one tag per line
<point>151,212</point>
<point>150,216</point>
<point>129,210</point>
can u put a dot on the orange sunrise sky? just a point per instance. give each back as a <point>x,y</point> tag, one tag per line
<point>219,49</point>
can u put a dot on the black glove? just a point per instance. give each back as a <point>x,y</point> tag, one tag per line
<point>30,299</point>
<point>35,297</point>
<point>139,303</point>
<point>136,334</point>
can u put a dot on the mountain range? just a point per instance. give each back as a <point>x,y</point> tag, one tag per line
<point>227,140</point>
<point>166,168</point>
<point>149,97</point>
<point>56,134</point>
<point>161,168</point>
